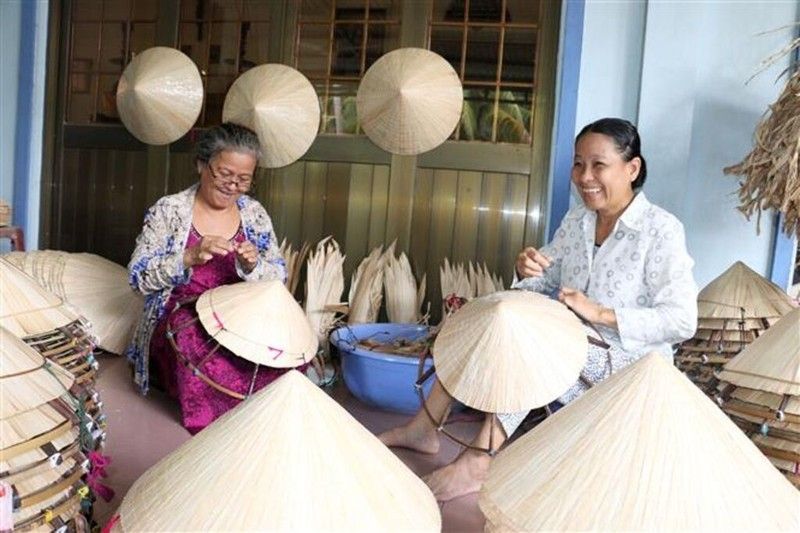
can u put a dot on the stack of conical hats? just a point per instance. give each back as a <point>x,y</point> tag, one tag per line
<point>510,351</point>
<point>644,450</point>
<point>760,390</point>
<point>733,310</point>
<point>40,453</point>
<point>287,458</point>
<point>96,287</point>
<point>44,322</point>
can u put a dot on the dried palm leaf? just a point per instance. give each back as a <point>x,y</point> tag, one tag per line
<point>366,288</point>
<point>324,286</point>
<point>294,263</point>
<point>403,297</point>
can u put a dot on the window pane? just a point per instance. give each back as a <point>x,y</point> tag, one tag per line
<point>347,49</point>
<point>107,99</point>
<point>116,10</point>
<point>255,10</point>
<point>87,10</point>
<point>485,10</point>
<point>447,41</point>
<point>81,98</point>
<point>85,44</point>
<point>210,9</point>
<point>522,11</point>
<point>477,116</point>
<point>316,10</point>
<point>514,115</point>
<point>112,51</point>
<point>216,89</point>
<point>193,40</point>
<point>351,10</point>
<point>340,112</point>
<point>223,51</point>
<point>482,50</point>
<point>385,10</point>
<point>313,54</point>
<point>145,9</point>
<point>255,37</point>
<point>225,9</point>
<point>448,11</point>
<point>143,36</point>
<point>381,38</point>
<point>519,55</point>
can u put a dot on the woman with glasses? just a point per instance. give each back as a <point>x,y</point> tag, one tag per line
<point>209,235</point>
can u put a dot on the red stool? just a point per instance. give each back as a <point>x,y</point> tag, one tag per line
<point>16,235</point>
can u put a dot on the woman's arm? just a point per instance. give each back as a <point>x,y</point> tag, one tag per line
<point>258,230</point>
<point>157,261</point>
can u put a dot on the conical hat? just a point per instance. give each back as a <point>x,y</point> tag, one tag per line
<point>26,379</point>
<point>772,362</point>
<point>160,95</point>
<point>259,321</point>
<point>288,458</point>
<point>644,450</point>
<point>279,104</point>
<point>409,101</point>
<point>740,288</point>
<point>25,307</point>
<point>510,351</point>
<point>44,423</point>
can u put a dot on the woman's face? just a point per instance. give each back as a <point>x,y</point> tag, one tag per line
<point>603,178</point>
<point>226,177</point>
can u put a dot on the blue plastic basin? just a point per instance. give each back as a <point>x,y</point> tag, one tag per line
<point>376,378</point>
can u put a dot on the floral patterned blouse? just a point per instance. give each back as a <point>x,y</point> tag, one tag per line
<point>156,266</point>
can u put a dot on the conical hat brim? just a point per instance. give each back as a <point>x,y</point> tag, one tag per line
<point>409,101</point>
<point>160,95</point>
<point>28,425</point>
<point>259,321</point>
<point>510,351</point>
<point>272,457</point>
<point>771,362</point>
<point>644,450</point>
<point>37,455</point>
<point>281,106</point>
<point>739,292</point>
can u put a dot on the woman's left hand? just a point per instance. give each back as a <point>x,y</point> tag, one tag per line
<point>589,309</point>
<point>247,255</point>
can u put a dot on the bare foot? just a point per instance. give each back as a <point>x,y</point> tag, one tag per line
<point>421,439</point>
<point>463,476</point>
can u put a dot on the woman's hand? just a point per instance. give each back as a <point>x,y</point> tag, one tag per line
<point>247,255</point>
<point>531,263</point>
<point>202,253</point>
<point>589,309</point>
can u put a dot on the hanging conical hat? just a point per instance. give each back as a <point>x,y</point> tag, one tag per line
<point>259,321</point>
<point>644,450</point>
<point>772,362</point>
<point>510,351</point>
<point>160,95</point>
<point>26,379</point>
<point>288,458</point>
<point>409,101</point>
<point>25,307</point>
<point>279,104</point>
<point>740,288</point>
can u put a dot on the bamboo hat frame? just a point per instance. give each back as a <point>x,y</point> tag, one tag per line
<point>409,101</point>
<point>661,455</point>
<point>289,426</point>
<point>160,95</point>
<point>281,106</point>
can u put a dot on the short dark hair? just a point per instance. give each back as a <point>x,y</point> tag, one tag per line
<point>625,137</point>
<point>226,136</point>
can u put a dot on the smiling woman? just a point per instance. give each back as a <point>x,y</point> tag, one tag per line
<point>211,234</point>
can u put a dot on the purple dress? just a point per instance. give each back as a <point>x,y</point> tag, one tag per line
<point>200,403</point>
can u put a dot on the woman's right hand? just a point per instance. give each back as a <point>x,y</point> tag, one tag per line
<point>531,263</point>
<point>202,253</point>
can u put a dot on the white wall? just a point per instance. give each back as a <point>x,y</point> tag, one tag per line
<point>678,69</point>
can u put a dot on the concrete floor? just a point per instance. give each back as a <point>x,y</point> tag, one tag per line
<point>142,430</point>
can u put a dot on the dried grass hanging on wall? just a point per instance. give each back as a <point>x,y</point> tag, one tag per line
<point>771,171</point>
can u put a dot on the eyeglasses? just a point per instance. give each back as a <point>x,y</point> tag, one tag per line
<point>225,178</point>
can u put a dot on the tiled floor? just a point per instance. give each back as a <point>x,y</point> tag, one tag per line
<point>141,430</point>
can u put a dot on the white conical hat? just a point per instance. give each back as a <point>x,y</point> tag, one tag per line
<point>160,95</point>
<point>259,321</point>
<point>281,106</point>
<point>409,101</point>
<point>25,307</point>
<point>26,379</point>
<point>43,423</point>
<point>644,450</point>
<point>772,362</point>
<point>272,458</point>
<point>740,288</point>
<point>510,351</point>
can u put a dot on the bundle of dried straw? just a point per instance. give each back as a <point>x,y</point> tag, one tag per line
<point>366,287</point>
<point>403,298</point>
